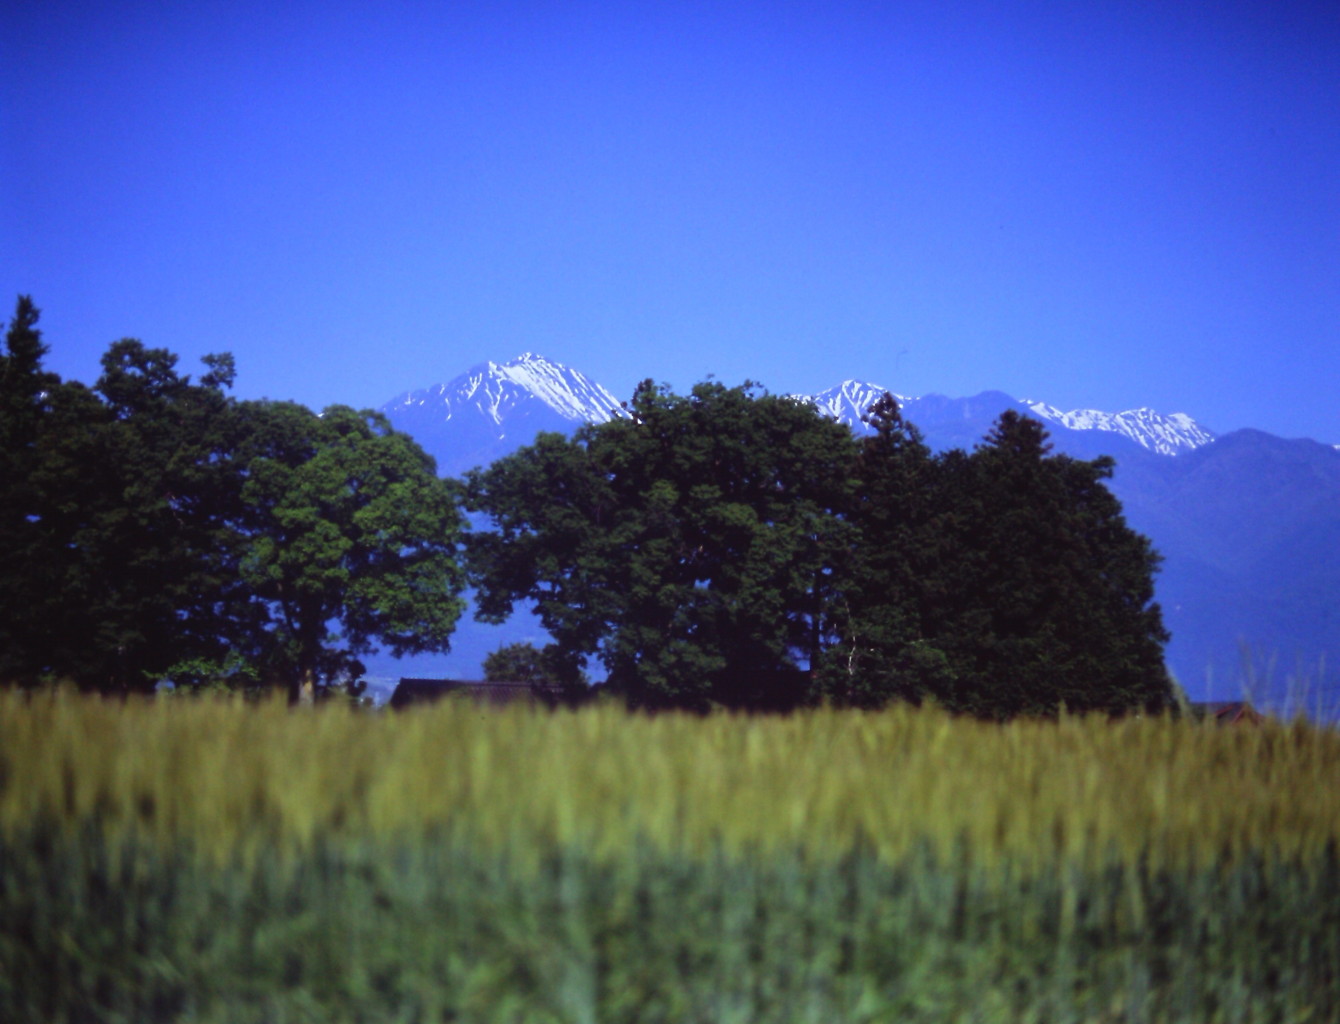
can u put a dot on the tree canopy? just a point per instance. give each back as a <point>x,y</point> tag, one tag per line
<point>1054,577</point>
<point>895,561</point>
<point>525,663</point>
<point>996,583</point>
<point>115,557</point>
<point>154,528</point>
<point>343,523</point>
<point>736,548</point>
<point>688,545</point>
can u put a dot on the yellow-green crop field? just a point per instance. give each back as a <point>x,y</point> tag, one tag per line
<point>201,860</point>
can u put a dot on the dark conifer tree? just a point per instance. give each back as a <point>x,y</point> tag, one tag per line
<point>881,650</point>
<point>1051,603</point>
<point>25,555</point>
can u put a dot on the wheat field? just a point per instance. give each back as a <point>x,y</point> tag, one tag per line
<point>202,859</point>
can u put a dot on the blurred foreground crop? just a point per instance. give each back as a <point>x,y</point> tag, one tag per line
<point>198,860</point>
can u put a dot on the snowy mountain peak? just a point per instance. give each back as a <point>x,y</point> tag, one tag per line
<point>1167,435</point>
<point>571,394</point>
<point>850,400</point>
<point>496,389</point>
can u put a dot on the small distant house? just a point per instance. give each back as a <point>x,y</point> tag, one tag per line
<point>425,691</point>
<point>1229,712</point>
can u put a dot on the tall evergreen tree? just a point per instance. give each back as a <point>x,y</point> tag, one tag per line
<point>882,651</point>
<point>23,389</point>
<point>1050,602</point>
<point>23,383</point>
<point>25,403</point>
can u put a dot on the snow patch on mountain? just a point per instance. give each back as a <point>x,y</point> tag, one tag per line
<point>1166,435</point>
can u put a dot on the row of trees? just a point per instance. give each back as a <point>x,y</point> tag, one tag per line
<point>725,547</point>
<point>151,528</point>
<point>739,548</point>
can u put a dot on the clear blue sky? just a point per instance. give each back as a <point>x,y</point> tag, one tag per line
<point>1101,205</point>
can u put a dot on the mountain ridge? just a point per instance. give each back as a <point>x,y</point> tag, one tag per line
<point>1171,434</point>
<point>535,393</point>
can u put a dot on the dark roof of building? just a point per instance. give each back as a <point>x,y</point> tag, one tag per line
<point>420,691</point>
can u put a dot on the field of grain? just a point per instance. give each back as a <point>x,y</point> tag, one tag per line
<point>199,860</point>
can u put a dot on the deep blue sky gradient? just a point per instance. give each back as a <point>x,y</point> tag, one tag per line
<point>1102,205</point>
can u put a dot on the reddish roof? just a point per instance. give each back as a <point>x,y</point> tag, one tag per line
<point>1229,712</point>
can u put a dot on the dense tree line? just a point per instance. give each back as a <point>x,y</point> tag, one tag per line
<point>152,527</point>
<point>725,548</point>
<point>741,549</point>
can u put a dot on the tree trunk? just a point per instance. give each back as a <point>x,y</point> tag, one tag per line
<point>309,640</point>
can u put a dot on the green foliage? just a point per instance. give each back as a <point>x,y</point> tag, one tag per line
<point>216,675</point>
<point>999,583</point>
<point>24,401</point>
<point>526,663</point>
<point>728,548</point>
<point>158,529</point>
<point>117,565</point>
<point>688,546</point>
<point>897,554</point>
<point>344,522</point>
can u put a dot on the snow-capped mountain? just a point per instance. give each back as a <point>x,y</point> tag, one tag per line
<point>496,389</point>
<point>494,408</point>
<point>1164,434</point>
<point>1167,435</point>
<point>850,400</point>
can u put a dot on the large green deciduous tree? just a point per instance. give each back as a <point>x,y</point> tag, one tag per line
<point>349,541</point>
<point>689,545</point>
